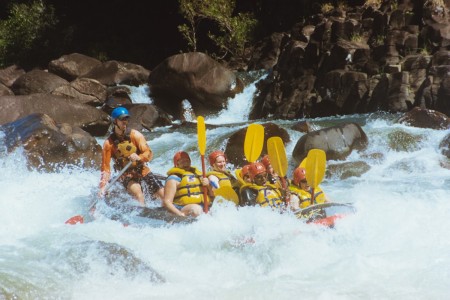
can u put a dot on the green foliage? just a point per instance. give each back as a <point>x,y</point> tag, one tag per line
<point>24,30</point>
<point>235,31</point>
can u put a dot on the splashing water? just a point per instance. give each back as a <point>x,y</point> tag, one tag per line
<point>394,247</point>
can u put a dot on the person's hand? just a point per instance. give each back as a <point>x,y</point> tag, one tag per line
<point>101,193</point>
<point>134,157</point>
<point>205,181</point>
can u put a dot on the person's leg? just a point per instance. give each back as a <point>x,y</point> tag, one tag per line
<point>135,189</point>
<point>155,186</point>
<point>194,210</point>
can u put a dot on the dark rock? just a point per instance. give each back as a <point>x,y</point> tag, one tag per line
<point>49,146</point>
<point>425,118</point>
<point>196,77</point>
<point>115,72</point>
<point>37,81</point>
<point>444,146</point>
<point>10,74</point>
<point>60,109</point>
<point>337,142</point>
<point>85,90</point>
<point>73,65</point>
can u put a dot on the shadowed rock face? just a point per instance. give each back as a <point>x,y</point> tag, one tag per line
<point>195,77</point>
<point>115,72</point>
<point>337,141</point>
<point>425,118</point>
<point>60,109</point>
<point>445,146</point>
<point>49,146</point>
<point>73,65</point>
<point>37,81</point>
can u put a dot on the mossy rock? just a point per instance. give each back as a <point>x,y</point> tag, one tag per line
<point>402,141</point>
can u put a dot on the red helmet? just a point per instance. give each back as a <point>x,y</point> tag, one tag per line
<point>256,169</point>
<point>179,155</point>
<point>266,160</point>
<point>299,174</point>
<point>245,170</point>
<point>214,155</point>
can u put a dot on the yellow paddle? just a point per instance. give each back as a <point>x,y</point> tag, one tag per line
<point>277,155</point>
<point>278,160</point>
<point>201,133</point>
<point>315,169</point>
<point>228,193</point>
<point>303,163</point>
<point>254,142</point>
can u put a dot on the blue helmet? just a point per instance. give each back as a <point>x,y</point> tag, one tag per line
<point>119,112</point>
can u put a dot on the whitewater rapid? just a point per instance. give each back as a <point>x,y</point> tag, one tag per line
<point>396,246</point>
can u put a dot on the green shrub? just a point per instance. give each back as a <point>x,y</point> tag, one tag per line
<point>24,30</point>
<point>235,31</point>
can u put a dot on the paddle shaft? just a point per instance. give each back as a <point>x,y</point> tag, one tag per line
<point>109,185</point>
<point>205,189</point>
<point>201,135</point>
<point>79,218</point>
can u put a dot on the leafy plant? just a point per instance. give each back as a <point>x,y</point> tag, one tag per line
<point>24,30</point>
<point>326,8</point>
<point>235,30</point>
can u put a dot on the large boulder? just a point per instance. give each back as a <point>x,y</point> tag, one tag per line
<point>37,81</point>
<point>116,72</point>
<point>10,74</point>
<point>49,146</point>
<point>73,65</point>
<point>147,116</point>
<point>235,145</point>
<point>85,90</point>
<point>195,76</point>
<point>61,109</point>
<point>5,91</point>
<point>425,118</point>
<point>337,141</point>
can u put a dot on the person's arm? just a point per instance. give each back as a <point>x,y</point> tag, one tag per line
<point>106,166</point>
<point>146,154</point>
<point>214,182</point>
<point>170,189</point>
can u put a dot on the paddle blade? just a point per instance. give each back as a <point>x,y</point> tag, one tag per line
<point>303,164</point>
<point>315,167</point>
<point>227,193</point>
<point>201,132</point>
<point>254,142</point>
<point>277,155</point>
<point>75,220</point>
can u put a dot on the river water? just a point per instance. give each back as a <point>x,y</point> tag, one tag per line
<point>396,246</point>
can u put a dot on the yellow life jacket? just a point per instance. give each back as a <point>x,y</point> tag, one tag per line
<point>225,178</point>
<point>305,197</point>
<point>268,195</point>
<point>189,191</point>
